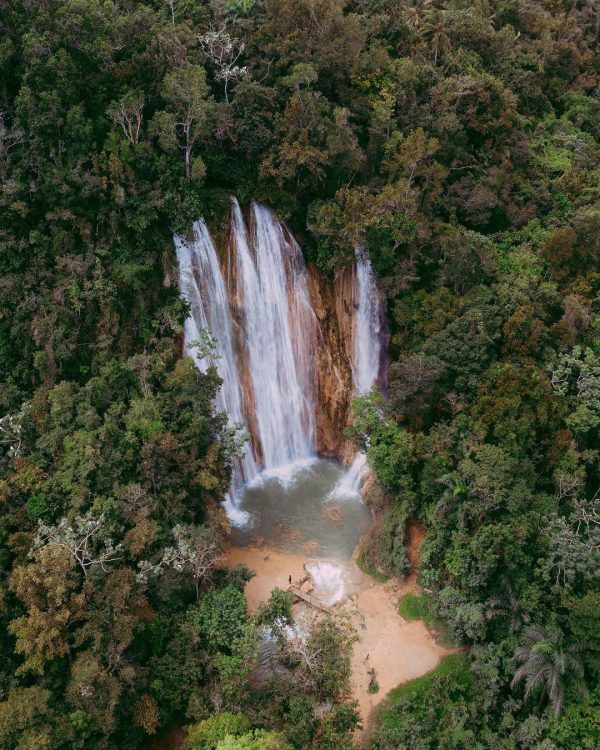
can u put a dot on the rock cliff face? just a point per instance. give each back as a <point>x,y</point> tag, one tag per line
<point>333,367</point>
<point>332,343</point>
<point>335,306</point>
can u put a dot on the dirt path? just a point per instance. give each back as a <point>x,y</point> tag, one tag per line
<point>397,650</point>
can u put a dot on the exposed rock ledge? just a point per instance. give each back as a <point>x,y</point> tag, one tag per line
<point>334,307</point>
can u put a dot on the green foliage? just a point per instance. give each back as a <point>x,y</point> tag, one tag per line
<point>457,143</point>
<point>390,448</point>
<point>579,727</point>
<point>221,618</point>
<point>546,665</point>
<point>207,734</point>
<point>277,610</point>
<point>373,687</point>
<point>429,710</point>
<point>416,607</point>
<point>258,739</point>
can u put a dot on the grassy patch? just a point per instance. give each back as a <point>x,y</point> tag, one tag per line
<point>370,570</point>
<point>417,607</point>
<point>453,666</point>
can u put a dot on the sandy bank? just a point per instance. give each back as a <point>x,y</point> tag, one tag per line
<point>397,650</point>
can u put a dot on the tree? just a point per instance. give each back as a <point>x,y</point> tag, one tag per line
<point>584,626</point>
<point>221,618</point>
<point>181,126</point>
<point>48,589</point>
<point>10,138</point>
<point>24,717</point>
<point>321,660</point>
<point>435,29</point>
<point>207,734</point>
<point>577,374</point>
<point>79,540</point>
<point>413,378</point>
<point>127,113</point>
<point>224,51</point>
<point>11,430</point>
<point>507,605</point>
<point>197,551</point>
<point>173,7</point>
<point>547,665</point>
<point>574,544</point>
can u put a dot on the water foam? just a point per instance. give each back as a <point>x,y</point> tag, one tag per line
<point>328,580</point>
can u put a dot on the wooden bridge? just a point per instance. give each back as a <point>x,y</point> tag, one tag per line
<point>314,602</point>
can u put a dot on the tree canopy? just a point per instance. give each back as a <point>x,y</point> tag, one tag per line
<point>459,144</point>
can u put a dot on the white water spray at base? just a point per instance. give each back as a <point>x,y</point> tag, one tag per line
<point>350,485</point>
<point>328,580</point>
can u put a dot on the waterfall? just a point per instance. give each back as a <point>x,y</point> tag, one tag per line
<point>201,283</point>
<point>256,305</point>
<point>366,354</point>
<point>265,332</point>
<point>366,358</point>
<point>279,328</point>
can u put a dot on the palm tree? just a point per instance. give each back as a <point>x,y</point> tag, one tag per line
<point>546,665</point>
<point>435,29</point>
<point>507,605</point>
<point>413,12</point>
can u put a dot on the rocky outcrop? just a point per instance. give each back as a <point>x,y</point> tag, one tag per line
<point>333,367</point>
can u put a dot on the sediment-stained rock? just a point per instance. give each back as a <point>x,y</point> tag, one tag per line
<point>333,367</point>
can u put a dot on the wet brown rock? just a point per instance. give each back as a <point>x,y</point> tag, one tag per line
<point>333,513</point>
<point>334,369</point>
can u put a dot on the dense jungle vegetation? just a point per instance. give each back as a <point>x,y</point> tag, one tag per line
<point>459,142</point>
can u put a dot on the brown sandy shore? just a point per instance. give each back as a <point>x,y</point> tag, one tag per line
<point>397,650</point>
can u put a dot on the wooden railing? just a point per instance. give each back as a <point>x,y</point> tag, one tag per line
<point>313,601</point>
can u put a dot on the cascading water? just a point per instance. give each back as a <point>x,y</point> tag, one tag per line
<point>279,329</point>
<point>257,306</point>
<point>265,332</point>
<point>366,358</point>
<point>366,355</point>
<point>201,283</point>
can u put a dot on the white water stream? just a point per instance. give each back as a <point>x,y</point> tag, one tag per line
<point>279,328</point>
<point>201,283</point>
<point>366,360</point>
